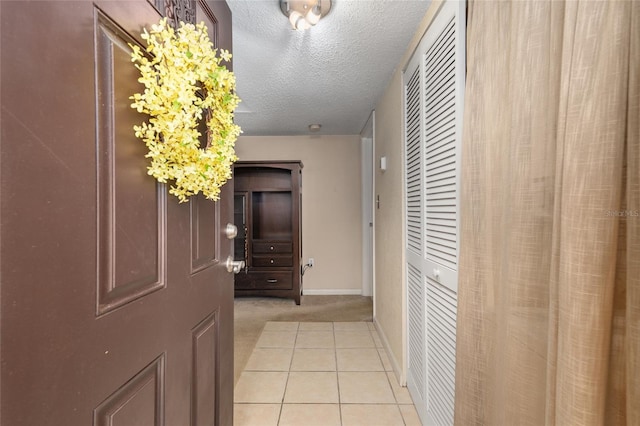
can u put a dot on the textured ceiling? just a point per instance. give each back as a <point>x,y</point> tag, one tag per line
<point>332,74</point>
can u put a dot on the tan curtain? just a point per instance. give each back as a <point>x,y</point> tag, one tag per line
<point>549,294</point>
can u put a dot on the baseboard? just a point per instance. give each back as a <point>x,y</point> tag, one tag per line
<point>331,292</point>
<point>392,359</point>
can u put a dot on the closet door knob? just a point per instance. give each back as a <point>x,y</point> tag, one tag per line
<point>234,266</point>
<point>231,231</point>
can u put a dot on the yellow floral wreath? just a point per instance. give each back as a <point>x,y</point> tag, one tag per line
<point>183,81</point>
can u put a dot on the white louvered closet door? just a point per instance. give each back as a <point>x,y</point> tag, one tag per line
<point>415,197</point>
<point>434,87</point>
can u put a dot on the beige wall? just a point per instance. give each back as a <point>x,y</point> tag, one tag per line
<point>331,210</point>
<point>390,295</point>
<point>389,234</point>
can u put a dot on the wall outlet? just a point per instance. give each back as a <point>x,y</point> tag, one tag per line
<point>311,262</point>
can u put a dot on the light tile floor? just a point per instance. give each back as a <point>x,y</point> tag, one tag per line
<point>321,373</point>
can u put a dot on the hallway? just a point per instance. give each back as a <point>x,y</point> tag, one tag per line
<point>320,373</point>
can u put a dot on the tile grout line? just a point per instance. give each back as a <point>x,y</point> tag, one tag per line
<point>284,394</point>
<point>341,404</point>
<point>335,355</point>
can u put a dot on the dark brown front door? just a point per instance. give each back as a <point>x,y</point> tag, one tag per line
<point>116,306</point>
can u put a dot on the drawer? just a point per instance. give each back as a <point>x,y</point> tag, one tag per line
<point>264,280</point>
<point>267,247</point>
<point>275,260</point>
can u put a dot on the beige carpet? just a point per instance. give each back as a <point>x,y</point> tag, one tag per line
<point>252,313</point>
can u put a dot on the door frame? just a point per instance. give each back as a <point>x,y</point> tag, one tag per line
<point>367,144</point>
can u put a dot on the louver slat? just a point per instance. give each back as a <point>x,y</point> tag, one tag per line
<point>413,164</point>
<point>440,146</point>
<point>441,340</point>
<point>416,332</point>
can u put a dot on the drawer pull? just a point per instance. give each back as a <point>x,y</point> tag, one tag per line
<point>272,281</point>
<point>271,261</point>
<point>271,247</point>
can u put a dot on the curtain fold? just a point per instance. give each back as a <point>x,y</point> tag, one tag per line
<point>549,294</point>
<point>629,329</point>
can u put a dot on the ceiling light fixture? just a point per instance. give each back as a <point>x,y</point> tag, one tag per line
<point>304,14</point>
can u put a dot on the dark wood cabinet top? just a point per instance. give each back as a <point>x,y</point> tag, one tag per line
<point>286,163</point>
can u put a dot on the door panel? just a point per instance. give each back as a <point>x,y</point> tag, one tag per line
<point>204,223</point>
<point>434,84</point>
<point>116,305</point>
<point>205,365</point>
<point>140,401</point>
<point>131,207</point>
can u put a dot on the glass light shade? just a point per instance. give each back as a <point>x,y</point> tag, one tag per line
<point>294,18</point>
<point>304,14</point>
<point>303,24</point>
<point>313,15</point>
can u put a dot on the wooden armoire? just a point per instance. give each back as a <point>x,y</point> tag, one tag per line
<point>267,212</point>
